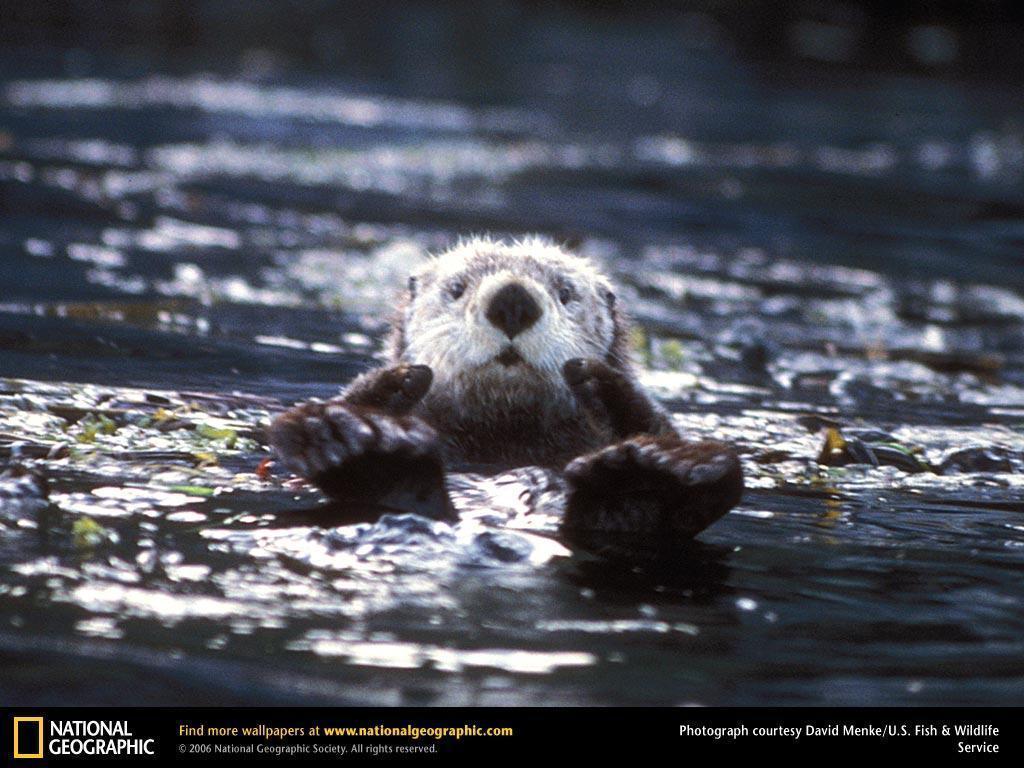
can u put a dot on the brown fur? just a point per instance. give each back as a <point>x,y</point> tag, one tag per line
<point>495,420</point>
<point>468,380</point>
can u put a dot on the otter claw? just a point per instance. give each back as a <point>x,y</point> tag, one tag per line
<point>650,488</point>
<point>394,390</point>
<point>613,397</point>
<point>363,455</point>
<point>711,471</point>
<point>417,381</point>
<point>347,428</point>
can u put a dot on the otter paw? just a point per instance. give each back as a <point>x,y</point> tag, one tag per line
<point>394,390</point>
<point>610,396</point>
<point>363,455</point>
<point>596,384</point>
<point>650,490</point>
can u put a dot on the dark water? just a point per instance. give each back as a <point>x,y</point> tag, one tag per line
<point>183,251</point>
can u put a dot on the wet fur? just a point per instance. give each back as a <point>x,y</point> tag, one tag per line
<point>444,399</point>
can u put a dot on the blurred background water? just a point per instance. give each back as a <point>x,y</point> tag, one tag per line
<point>816,214</point>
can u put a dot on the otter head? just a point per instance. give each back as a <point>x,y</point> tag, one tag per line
<point>497,321</point>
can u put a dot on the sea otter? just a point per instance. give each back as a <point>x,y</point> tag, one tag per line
<point>503,355</point>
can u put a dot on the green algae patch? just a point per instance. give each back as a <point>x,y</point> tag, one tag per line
<point>194,490</point>
<point>87,533</point>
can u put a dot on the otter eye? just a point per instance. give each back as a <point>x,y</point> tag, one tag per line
<point>610,298</point>
<point>456,289</point>
<point>412,285</point>
<point>565,294</point>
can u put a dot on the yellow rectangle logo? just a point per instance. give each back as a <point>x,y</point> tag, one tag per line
<point>38,744</point>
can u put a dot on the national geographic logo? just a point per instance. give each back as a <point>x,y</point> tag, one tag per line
<point>28,737</point>
<point>76,738</point>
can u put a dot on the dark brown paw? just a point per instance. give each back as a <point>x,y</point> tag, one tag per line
<point>394,390</point>
<point>651,490</point>
<point>595,384</point>
<point>611,396</point>
<point>363,455</point>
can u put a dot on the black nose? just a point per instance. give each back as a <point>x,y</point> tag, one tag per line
<point>513,310</point>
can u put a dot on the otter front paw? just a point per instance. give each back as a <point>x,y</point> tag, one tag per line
<point>611,396</point>
<point>395,390</point>
<point>364,456</point>
<point>650,490</point>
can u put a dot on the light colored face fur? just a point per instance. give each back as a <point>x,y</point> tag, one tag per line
<point>445,324</point>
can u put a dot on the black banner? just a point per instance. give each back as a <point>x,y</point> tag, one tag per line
<point>135,735</point>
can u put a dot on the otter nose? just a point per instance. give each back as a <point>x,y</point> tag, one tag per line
<point>513,310</point>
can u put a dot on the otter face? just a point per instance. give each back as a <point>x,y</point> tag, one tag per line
<point>502,319</point>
